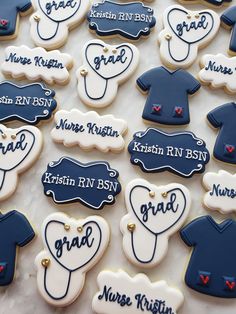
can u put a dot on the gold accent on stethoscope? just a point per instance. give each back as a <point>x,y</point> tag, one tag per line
<point>131,227</point>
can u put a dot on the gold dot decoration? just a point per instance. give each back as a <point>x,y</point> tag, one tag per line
<point>36,18</point>
<point>114,50</point>
<point>80,229</point>
<point>131,227</point>
<point>105,49</point>
<point>13,136</point>
<point>83,72</point>
<point>45,262</point>
<point>189,16</point>
<point>164,194</point>
<point>197,16</point>
<point>66,227</point>
<point>4,135</point>
<point>168,37</point>
<point>152,194</point>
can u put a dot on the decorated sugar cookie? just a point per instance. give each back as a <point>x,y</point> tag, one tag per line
<point>219,71</point>
<point>130,20</point>
<point>9,17</point>
<point>30,103</point>
<point>19,149</point>
<point>121,294</point>
<point>154,214</point>
<point>168,92</point>
<point>35,64</point>
<point>181,153</point>
<point>184,33</point>
<point>211,269</point>
<point>222,118</point>
<point>104,68</point>
<point>51,23</point>
<point>89,130</point>
<point>16,232</point>
<point>94,184</point>
<point>71,248</point>
<point>228,19</point>
<point>221,191</point>
<point>211,3</point>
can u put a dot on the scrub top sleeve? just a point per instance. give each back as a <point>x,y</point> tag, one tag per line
<point>23,5</point>
<point>216,116</point>
<point>192,84</point>
<point>144,81</point>
<point>24,232</point>
<point>190,233</point>
<point>229,16</point>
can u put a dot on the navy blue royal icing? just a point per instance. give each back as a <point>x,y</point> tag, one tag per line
<point>211,269</point>
<point>9,15</point>
<point>130,20</point>
<point>229,19</point>
<point>93,184</point>
<point>29,103</point>
<point>181,153</point>
<point>15,231</point>
<point>223,117</point>
<point>167,101</point>
<point>217,3</point>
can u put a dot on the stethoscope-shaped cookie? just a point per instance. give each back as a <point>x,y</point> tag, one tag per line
<point>154,214</point>
<point>72,247</point>
<point>184,33</point>
<point>51,23</point>
<point>104,68</point>
<point>19,148</point>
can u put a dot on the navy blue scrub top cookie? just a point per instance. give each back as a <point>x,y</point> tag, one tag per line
<point>15,230</point>
<point>9,15</point>
<point>212,267</point>
<point>130,20</point>
<point>168,92</point>
<point>228,18</point>
<point>223,117</point>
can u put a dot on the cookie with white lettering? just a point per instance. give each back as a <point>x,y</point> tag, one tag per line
<point>154,214</point>
<point>104,68</point>
<point>10,16</point>
<point>89,130</point>
<point>19,149</point>
<point>71,248</point>
<point>131,20</point>
<point>210,3</point>
<point>121,294</point>
<point>219,71</point>
<point>30,103</point>
<point>37,64</point>
<point>184,33</point>
<point>93,184</point>
<point>51,23</point>
<point>221,191</point>
<point>181,153</point>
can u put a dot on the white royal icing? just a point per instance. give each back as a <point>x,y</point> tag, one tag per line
<point>51,23</point>
<point>37,63</point>
<point>19,149</point>
<point>104,68</point>
<point>219,71</point>
<point>89,130</point>
<point>121,294</point>
<point>184,33</point>
<point>221,193</point>
<point>72,247</point>
<point>156,213</point>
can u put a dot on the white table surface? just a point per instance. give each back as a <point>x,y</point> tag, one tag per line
<point>21,296</point>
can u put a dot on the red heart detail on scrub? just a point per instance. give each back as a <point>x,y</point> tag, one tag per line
<point>205,279</point>
<point>157,108</point>
<point>229,284</point>
<point>179,110</point>
<point>230,149</point>
<point>1,268</point>
<point>4,22</point>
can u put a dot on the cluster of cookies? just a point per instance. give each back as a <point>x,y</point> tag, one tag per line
<point>154,213</point>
